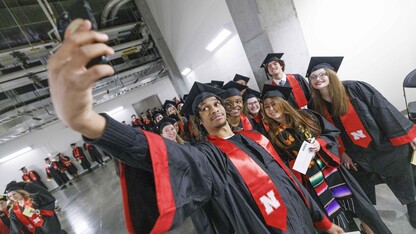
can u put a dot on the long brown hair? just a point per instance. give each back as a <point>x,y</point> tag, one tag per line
<point>294,119</point>
<point>338,95</point>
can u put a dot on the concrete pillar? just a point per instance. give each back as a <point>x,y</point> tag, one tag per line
<point>175,75</point>
<point>255,40</point>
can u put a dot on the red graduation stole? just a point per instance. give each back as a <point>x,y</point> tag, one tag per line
<point>246,123</point>
<point>353,126</point>
<point>261,187</point>
<point>26,177</point>
<point>76,153</point>
<point>29,222</point>
<point>297,91</point>
<point>32,176</point>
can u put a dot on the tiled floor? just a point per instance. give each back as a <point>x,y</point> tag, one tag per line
<point>93,205</point>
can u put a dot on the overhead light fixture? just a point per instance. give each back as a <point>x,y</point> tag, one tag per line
<point>115,110</point>
<point>186,71</point>
<point>15,154</point>
<point>218,40</point>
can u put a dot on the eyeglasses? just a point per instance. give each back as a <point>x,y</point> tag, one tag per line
<point>320,76</point>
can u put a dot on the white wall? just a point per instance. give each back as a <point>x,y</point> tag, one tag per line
<point>377,38</point>
<point>57,137</point>
<point>188,26</point>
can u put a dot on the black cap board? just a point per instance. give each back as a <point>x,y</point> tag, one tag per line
<point>232,89</point>
<point>317,63</point>
<point>238,77</point>
<point>166,121</point>
<point>270,56</point>
<point>216,83</point>
<point>250,93</point>
<point>168,103</point>
<point>21,169</point>
<point>198,93</point>
<point>275,91</point>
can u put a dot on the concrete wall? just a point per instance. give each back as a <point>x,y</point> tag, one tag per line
<point>57,137</point>
<point>377,38</point>
<point>188,27</point>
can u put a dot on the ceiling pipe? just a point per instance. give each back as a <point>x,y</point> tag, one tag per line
<point>17,23</point>
<point>116,9</point>
<point>106,11</point>
<point>50,19</point>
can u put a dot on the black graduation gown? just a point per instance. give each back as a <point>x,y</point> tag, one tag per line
<point>94,154</point>
<point>304,85</point>
<point>5,219</point>
<point>84,161</point>
<point>68,165</point>
<point>38,179</point>
<point>192,177</point>
<point>384,158</point>
<point>328,154</point>
<point>41,201</point>
<point>59,177</point>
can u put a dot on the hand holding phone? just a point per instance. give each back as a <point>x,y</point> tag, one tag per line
<point>80,9</point>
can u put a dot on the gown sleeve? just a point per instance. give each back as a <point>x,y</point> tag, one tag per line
<point>327,139</point>
<point>186,176</point>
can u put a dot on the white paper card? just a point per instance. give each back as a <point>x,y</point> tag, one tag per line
<point>413,161</point>
<point>304,158</point>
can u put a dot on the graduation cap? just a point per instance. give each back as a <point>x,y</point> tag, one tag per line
<point>317,63</point>
<point>73,144</point>
<point>156,114</point>
<point>47,158</point>
<point>250,93</point>
<point>166,121</point>
<point>216,83</point>
<point>232,88</point>
<point>168,103</point>
<point>269,57</point>
<point>275,91</point>
<point>238,77</point>
<point>132,116</point>
<point>21,169</point>
<point>198,93</point>
<point>13,185</point>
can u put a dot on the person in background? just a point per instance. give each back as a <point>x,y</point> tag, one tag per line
<point>168,130</point>
<point>243,80</point>
<point>95,155</point>
<point>33,176</point>
<point>330,184</point>
<point>274,67</point>
<point>54,172</point>
<point>80,156</point>
<point>233,103</point>
<point>65,161</point>
<point>178,179</point>
<point>375,137</point>
<point>31,213</point>
<point>136,123</point>
<point>157,117</point>
<point>4,215</point>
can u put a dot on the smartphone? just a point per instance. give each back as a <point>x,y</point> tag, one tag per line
<point>80,9</point>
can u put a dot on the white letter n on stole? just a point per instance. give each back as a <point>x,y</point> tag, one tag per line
<point>270,202</point>
<point>358,134</point>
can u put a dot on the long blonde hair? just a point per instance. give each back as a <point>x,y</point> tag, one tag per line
<point>26,196</point>
<point>338,95</point>
<point>294,119</point>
